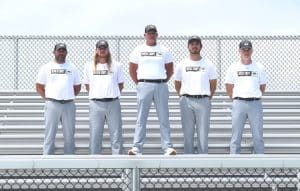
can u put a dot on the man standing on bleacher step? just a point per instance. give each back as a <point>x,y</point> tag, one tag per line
<point>104,80</point>
<point>58,82</point>
<point>245,84</point>
<point>195,83</point>
<point>151,67</point>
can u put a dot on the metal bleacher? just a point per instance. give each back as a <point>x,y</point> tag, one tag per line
<point>22,124</point>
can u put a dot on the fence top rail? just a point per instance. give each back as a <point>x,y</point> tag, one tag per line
<point>114,37</point>
<point>143,161</point>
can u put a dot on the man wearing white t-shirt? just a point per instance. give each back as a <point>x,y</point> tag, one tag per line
<point>195,82</point>
<point>103,79</point>
<point>245,84</point>
<point>150,67</point>
<point>58,82</point>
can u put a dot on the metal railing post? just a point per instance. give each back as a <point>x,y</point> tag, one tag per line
<point>298,177</point>
<point>136,179</point>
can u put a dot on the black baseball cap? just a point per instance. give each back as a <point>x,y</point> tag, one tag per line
<point>194,38</point>
<point>245,44</point>
<point>60,46</point>
<point>149,28</point>
<point>102,44</point>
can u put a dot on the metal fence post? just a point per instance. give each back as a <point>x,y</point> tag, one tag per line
<point>118,49</point>
<point>298,177</point>
<point>219,66</point>
<point>16,72</point>
<point>136,179</point>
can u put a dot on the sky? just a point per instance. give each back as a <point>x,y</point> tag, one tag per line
<point>129,17</point>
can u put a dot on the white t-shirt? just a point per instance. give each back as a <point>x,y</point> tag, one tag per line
<point>59,80</point>
<point>195,76</point>
<point>246,79</point>
<point>103,83</point>
<point>151,61</point>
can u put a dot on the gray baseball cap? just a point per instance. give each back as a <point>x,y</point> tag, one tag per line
<point>102,44</point>
<point>245,44</point>
<point>194,38</point>
<point>60,46</point>
<point>149,28</point>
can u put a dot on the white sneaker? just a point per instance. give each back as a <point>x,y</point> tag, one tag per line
<point>170,151</point>
<point>133,151</point>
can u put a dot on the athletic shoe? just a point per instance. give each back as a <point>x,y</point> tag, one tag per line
<point>133,151</point>
<point>170,151</point>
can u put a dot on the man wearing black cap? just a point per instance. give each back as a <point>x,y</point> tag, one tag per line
<point>58,82</point>
<point>245,84</point>
<point>150,67</point>
<point>195,82</point>
<point>103,79</point>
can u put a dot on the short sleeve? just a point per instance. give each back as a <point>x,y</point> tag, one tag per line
<point>42,75</point>
<point>86,79</point>
<point>120,74</point>
<point>76,77</point>
<point>168,57</point>
<point>178,72</point>
<point>229,78</point>
<point>213,71</point>
<point>134,56</point>
<point>262,76</point>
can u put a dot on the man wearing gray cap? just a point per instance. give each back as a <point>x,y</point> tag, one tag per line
<point>151,67</point>
<point>195,83</point>
<point>245,84</point>
<point>58,82</point>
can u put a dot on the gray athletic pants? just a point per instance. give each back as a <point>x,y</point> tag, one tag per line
<point>195,112</point>
<point>241,110</point>
<point>56,112</point>
<point>159,94</point>
<point>110,112</point>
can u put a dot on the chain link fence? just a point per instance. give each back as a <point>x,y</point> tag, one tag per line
<point>22,56</point>
<point>65,179</point>
<point>149,173</point>
<point>150,179</point>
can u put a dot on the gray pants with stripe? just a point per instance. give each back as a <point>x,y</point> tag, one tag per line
<point>54,113</point>
<point>195,115</point>
<point>111,113</point>
<point>241,111</point>
<point>146,94</point>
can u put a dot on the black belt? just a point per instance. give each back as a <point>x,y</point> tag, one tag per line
<point>247,99</point>
<point>105,99</point>
<point>60,101</point>
<point>195,96</point>
<point>153,80</point>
